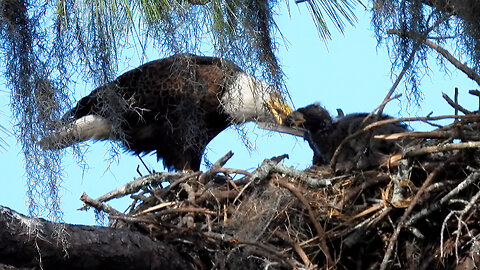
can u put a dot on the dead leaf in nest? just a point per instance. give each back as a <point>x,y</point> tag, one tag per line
<point>333,213</point>
<point>347,183</point>
<point>405,188</point>
<point>385,193</point>
<point>391,161</point>
<point>402,203</point>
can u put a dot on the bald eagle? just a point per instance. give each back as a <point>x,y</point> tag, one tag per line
<point>174,106</point>
<point>326,133</point>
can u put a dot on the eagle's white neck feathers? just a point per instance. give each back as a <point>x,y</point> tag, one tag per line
<point>246,98</point>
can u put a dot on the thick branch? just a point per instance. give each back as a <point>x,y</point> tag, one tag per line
<point>31,242</point>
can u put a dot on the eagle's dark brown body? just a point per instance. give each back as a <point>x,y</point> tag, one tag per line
<point>327,134</point>
<point>174,106</point>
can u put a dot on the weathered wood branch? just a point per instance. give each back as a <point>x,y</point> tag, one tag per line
<point>454,134</point>
<point>35,243</point>
<point>139,183</point>
<point>440,148</point>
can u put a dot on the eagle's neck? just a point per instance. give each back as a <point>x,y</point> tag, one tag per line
<point>245,99</point>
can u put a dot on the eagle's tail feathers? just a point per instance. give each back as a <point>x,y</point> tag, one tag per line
<point>85,128</point>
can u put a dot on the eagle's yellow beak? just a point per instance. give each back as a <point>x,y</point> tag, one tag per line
<point>279,109</point>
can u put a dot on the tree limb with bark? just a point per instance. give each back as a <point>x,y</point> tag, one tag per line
<point>32,242</point>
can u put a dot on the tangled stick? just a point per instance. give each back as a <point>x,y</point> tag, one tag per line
<point>311,214</point>
<point>139,183</point>
<point>403,219</point>
<point>296,247</point>
<point>333,161</point>
<point>270,251</point>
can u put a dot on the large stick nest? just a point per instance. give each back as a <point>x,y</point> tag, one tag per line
<point>417,211</point>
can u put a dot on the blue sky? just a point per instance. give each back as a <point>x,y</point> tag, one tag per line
<point>349,73</point>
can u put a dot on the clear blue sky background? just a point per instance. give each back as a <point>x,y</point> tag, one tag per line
<point>350,73</point>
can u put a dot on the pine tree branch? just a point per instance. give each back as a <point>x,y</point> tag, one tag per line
<point>463,67</point>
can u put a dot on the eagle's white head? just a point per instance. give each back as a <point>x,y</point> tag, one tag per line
<point>249,99</point>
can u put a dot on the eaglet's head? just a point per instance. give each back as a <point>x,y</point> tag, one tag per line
<point>312,117</point>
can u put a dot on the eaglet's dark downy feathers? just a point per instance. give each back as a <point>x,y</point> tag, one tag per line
<point>325,134</point>
<point>174,106</point>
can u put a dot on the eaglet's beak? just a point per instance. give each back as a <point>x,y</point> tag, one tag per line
<point>295,120</point>
<point>279,109</point>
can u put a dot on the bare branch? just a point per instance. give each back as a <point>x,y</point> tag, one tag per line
<point>472,178</point>
<point>381,106</point>
<point>215,167</point>
<point>463,67</point>
<point>139,183</point>
<point>474,92</point>
<point>440,148</point>
<point>99,205</point>
<point>446,134</point>
<point>455,105</point>
<point>333,161</point>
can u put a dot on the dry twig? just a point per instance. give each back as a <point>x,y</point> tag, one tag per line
<point>455,105</point>
<point>99,205</point>
<point>296,247</point>
<point>312,215</point>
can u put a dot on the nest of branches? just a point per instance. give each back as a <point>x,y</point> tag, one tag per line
<point>417,211</point>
